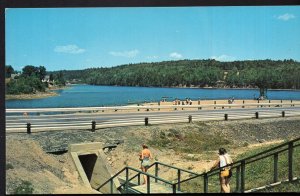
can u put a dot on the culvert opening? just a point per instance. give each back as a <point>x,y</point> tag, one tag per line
<point>88,163</point>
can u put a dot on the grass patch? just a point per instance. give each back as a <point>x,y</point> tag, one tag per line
<point>9,166</point>
<point>187,141</point>
<point>24,188</point>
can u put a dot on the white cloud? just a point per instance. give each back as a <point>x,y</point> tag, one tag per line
<point>71,49</point>
<point>223,57</point>
<point>175,55</point>
<point>128,54</point>
<point>286,17</point>
<point>152,57</point>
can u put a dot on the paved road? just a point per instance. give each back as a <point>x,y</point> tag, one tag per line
<point>83,120</point>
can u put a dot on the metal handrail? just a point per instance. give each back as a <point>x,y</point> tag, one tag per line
<point>139,172</point>
<point>241,162</point>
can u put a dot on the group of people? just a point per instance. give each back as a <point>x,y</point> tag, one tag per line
<point>231,100</point>
<point>223,162</point>
<point>187,101</point>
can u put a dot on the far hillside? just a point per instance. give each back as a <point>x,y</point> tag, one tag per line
<point>263,74</point>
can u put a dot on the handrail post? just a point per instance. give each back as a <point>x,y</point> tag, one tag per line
<point>174,188</point>
<point>243,176</point>
<point>146,121</point>
<point>111,186</point>
<point>126,183</point>
<point>138,107</point>
<point>156,171</point>
<point>237,182</point>
<point>256,115</point>
<point>148,184</point>
<point>283,113</point>
<point>205,183</point>
<point>28,128</point>
<point>215,104</point>
<point>290,159</point>
<point>275,167</point>
<point>178,179</point>
<point>243,104</point>
<point>139,179</point>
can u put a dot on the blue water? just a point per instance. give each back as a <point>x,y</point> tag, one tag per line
<point>89,95</point>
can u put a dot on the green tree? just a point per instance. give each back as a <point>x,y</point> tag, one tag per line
<point>8,71</point>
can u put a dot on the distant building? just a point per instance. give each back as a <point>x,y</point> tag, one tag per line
<point>46,79</point>
<point>13,76</point>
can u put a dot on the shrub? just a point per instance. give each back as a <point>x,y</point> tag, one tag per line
<point>24,188</point>
<point>9,166</point>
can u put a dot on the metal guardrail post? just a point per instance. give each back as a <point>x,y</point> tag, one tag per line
<point>138,108</point>
<point>205,181</point>
<point>93,126</point>
<point>178,179</point>
<point>146,121</point>
<point>269,102</point>
<point>156,171</point>
<point>159,105</point>
<point>290,160</point>
<point>243,103</point>
<point>283,113</point>
<point>256,115</point>
<point>243,176</point>
<point>126,183</point>
<point>275,167</point>
<point>226,116</point>
<point>237,179</point>
<point>28,128</point>
<point>190,118</point>
<point>215,104</point>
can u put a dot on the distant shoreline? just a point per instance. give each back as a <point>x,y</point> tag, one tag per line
<point>39,95</point>
<point>50,92</point>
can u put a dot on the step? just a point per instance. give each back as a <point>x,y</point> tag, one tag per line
<point>154,188</point>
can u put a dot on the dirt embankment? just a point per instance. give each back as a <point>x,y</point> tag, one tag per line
<point>189,146</point>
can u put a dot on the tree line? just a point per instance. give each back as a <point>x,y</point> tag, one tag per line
<point>263,74</point>
<point>30,80</point>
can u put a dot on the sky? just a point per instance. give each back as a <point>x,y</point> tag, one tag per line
<point>80,38</point>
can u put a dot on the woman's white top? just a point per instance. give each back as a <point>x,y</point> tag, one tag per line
<point>223,159</point>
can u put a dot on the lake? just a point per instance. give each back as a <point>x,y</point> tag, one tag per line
<point>96,96</point>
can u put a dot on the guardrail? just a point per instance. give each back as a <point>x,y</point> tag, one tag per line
<point>92,121</point>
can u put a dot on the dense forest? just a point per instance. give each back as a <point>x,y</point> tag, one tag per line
<point>263,74</point>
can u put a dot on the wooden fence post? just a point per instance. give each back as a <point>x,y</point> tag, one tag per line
<point>28,128</point>
<point>226,116</point>
<point>93,126</point>
<point>190,118</point>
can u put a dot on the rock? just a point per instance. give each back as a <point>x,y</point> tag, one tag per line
<point>261,141</point>
<point>191,155</point>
